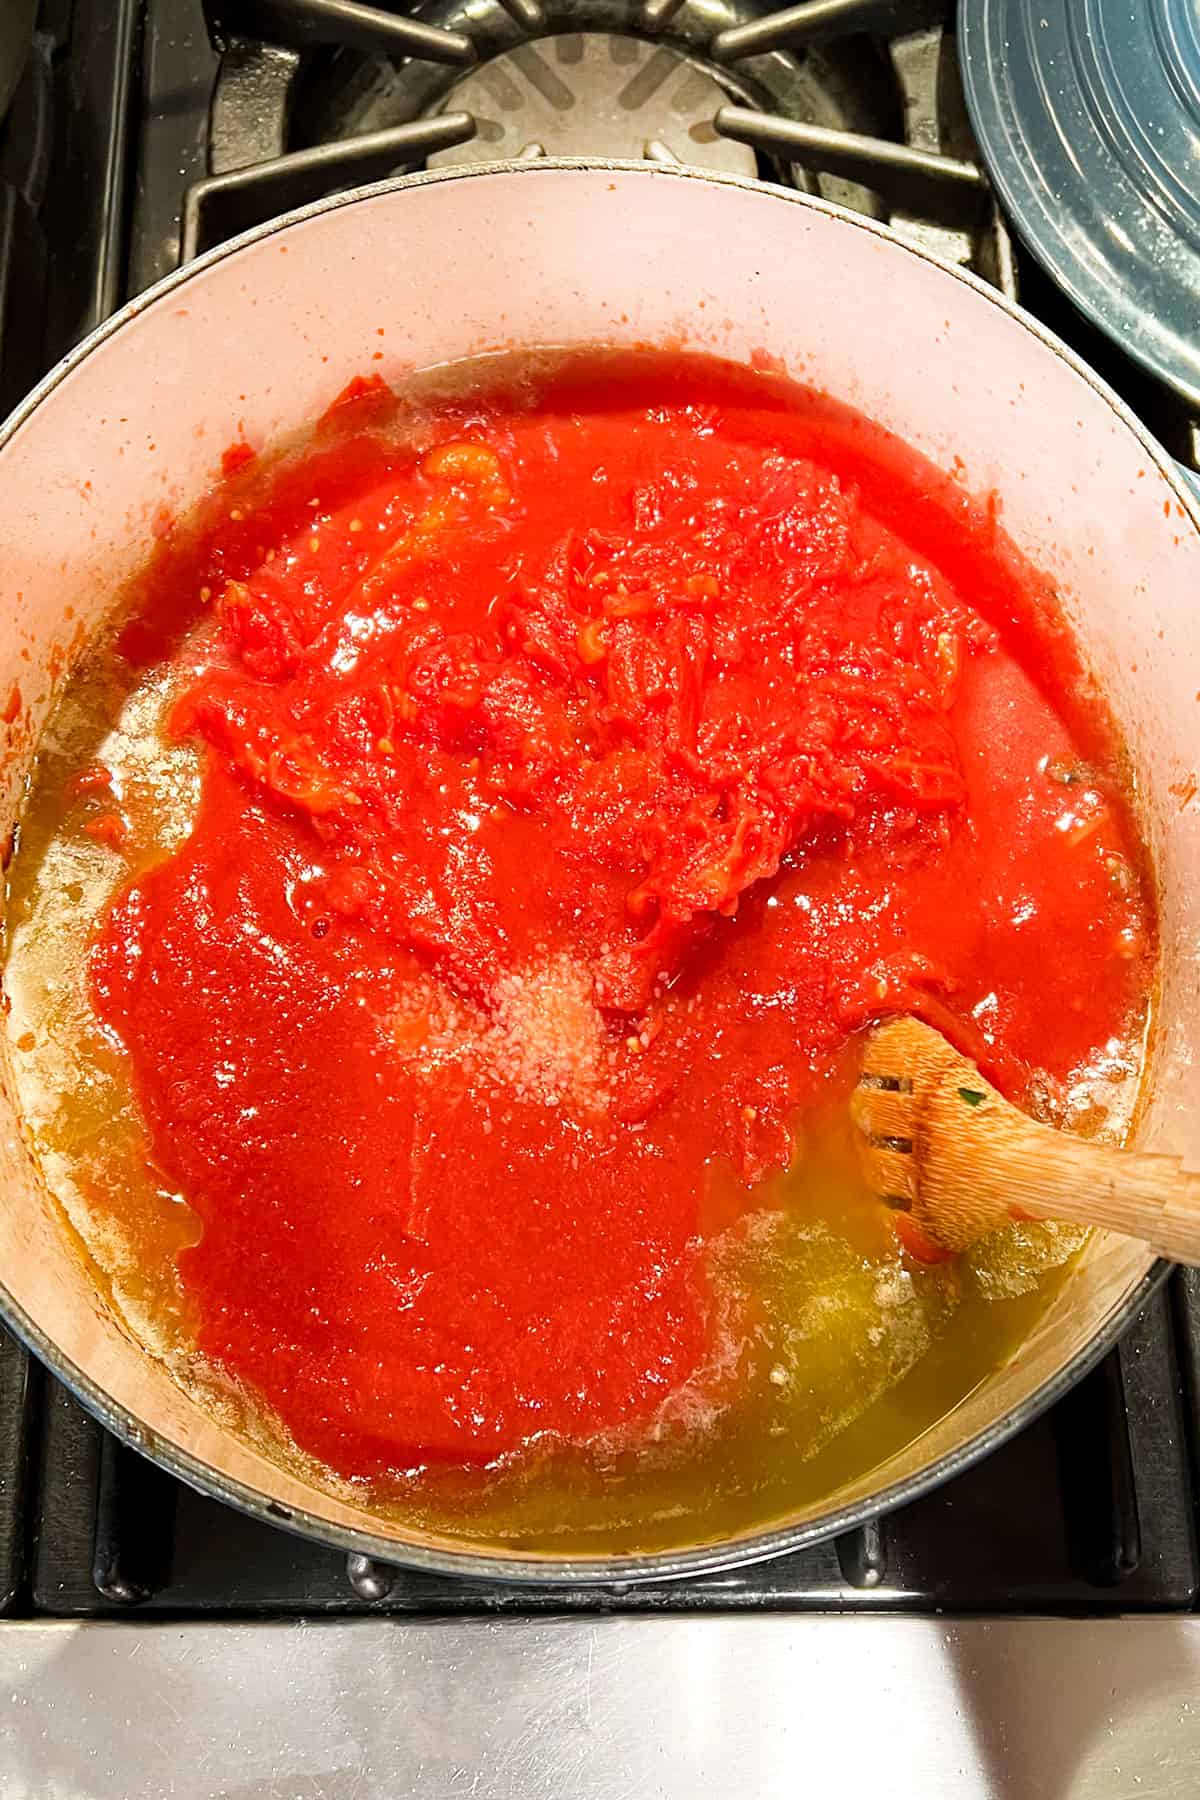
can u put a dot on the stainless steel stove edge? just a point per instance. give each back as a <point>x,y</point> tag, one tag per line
<point>666,1708</point>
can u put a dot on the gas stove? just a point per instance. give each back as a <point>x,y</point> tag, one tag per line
<point>978,1642</point>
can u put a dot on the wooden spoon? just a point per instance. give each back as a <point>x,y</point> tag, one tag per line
<point>942,1146</point>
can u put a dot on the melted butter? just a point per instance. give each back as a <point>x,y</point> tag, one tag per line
<point>72,1078</point>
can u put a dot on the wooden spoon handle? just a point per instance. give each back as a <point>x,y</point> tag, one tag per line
<point>979,1145</point>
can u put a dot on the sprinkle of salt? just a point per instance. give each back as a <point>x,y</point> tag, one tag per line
<point>544,1038</point>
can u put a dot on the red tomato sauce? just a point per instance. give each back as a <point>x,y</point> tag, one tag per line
<point>584,767</point>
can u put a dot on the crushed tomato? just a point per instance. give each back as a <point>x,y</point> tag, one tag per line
<point>584,766</point>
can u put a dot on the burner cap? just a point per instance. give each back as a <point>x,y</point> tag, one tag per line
<point>1088,116</point>
<point>595,94</point>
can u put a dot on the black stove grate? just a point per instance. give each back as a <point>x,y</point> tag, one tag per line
<point>140,136</point>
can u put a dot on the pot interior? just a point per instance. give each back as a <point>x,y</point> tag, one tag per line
<point>259,339</point>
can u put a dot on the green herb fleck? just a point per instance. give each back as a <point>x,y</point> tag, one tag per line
<point>972,1096</point>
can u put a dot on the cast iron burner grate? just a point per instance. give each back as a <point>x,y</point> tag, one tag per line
<point>325,94</point>
<point>1092,1509</point>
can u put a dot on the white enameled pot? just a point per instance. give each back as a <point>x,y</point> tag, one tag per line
<point>259,336</point>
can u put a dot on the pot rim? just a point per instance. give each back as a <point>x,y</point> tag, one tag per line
<point>547,1568</point>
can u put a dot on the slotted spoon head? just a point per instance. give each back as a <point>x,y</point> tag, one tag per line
<point>922,1111</point>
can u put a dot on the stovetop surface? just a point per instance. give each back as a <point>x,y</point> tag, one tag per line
<point>138,137</point>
